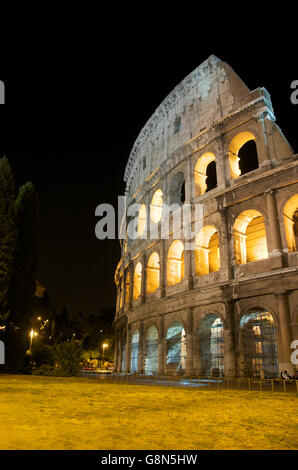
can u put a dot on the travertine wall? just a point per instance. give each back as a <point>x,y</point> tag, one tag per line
<point>205,114</point>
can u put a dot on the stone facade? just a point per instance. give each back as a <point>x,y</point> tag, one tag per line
<point>229,306</point>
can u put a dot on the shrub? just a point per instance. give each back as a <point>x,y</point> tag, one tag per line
<point>48,370</point>
<point>68,356</point>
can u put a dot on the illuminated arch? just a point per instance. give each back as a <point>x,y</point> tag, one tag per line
<point>200,173</point>
<point>134,351</point>
<point>259,350</point>
<point>235,145</point>
<point>290,214</point>
<point>156,206</point>
<point>127,287</point>
<point>176,348</point>
<point>211,345</point>
<point>207,251</point>
<point>153,273</point>
<point>142,220</point>
<point>151,351</point>
<point>249,233</point>
<point>175,263</point>
<point>137,281</point>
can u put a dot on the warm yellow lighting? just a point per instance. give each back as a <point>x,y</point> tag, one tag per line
<point>289,221</point>
<point>200,172</point>
<point>250,243</point>
<point>237,142</point>
<point>127,287</point>
<point>32,334</point>
<point>153,273</point>
<point>137,281</point>
<point>207,251</point>
<point>175,270</point>
<point>142,220</point>
<point>156,206</point>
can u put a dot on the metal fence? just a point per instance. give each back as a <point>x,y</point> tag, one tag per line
<point>206,383</point>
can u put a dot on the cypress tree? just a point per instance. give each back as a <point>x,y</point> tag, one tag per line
<point>25,261</point>
<point>7,234</point>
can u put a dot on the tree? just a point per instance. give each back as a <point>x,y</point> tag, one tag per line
<point>7,234</point>
<point>23,284</point>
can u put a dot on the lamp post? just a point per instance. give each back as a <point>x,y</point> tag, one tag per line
<point>104,346</point>
<point>32,334</point>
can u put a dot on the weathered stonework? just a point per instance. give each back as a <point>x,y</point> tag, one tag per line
<point>205,115</point>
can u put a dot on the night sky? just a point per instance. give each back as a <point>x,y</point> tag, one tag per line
<point>70,129</point>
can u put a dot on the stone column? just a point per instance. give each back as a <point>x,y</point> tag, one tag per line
<point>275,253</point>
<point>118,299</point>
<point>116,353</point>
<point>131,270</point>
<point>163,264</point>
<point>128,347</point>
<point>263,146</point>
<point>189,183</point>
<point>189,343</point>
<point>144,278</point>
<point>285,333</point>
<point>225,251</point>
<point>120,342</point>
<point>229,341</point>
<point>188,253</point>
<point>161,346</point>
<point>141,348</point>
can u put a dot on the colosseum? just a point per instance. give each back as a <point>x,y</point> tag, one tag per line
<point>218,299</point>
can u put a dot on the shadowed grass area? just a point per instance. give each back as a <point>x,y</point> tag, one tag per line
<point>77,414</point>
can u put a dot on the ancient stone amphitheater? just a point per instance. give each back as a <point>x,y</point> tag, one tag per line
<point>221,297</point>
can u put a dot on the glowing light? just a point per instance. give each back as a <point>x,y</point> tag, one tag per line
<point>153,273</point>
<point>175,271</point>
<point>237,142</point>
<point>156,206</point>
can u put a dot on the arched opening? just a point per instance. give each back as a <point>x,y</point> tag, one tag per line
<point>243,155</point>
<point>290,213</point>
<point>248,157</point>
<point>211,180</point>
<point>258,345</point>
<point>156,206</point>
<point>205,174</point>
<point>176,349</point>
<point>177,189</point>
<point>207,254</point>
<point>211,346</point>
<point>250,243</point>
<point>153,273</point>
<point>137,281</point>
<point>142,220</point>
<point>134,357</point>
<point>175,263</point>
<point>151,351</point>
<point>127,287</point>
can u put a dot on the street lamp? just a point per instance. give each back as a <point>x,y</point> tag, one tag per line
<point>104,346</point>
<point>32,334</point>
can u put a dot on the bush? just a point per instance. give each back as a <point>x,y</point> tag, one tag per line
<point>48,370</point>
<point>68,356</point>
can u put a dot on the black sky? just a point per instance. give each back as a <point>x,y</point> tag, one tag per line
<point>69,129</point>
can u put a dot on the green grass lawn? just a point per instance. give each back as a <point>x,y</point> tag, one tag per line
<point>76,413</point>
